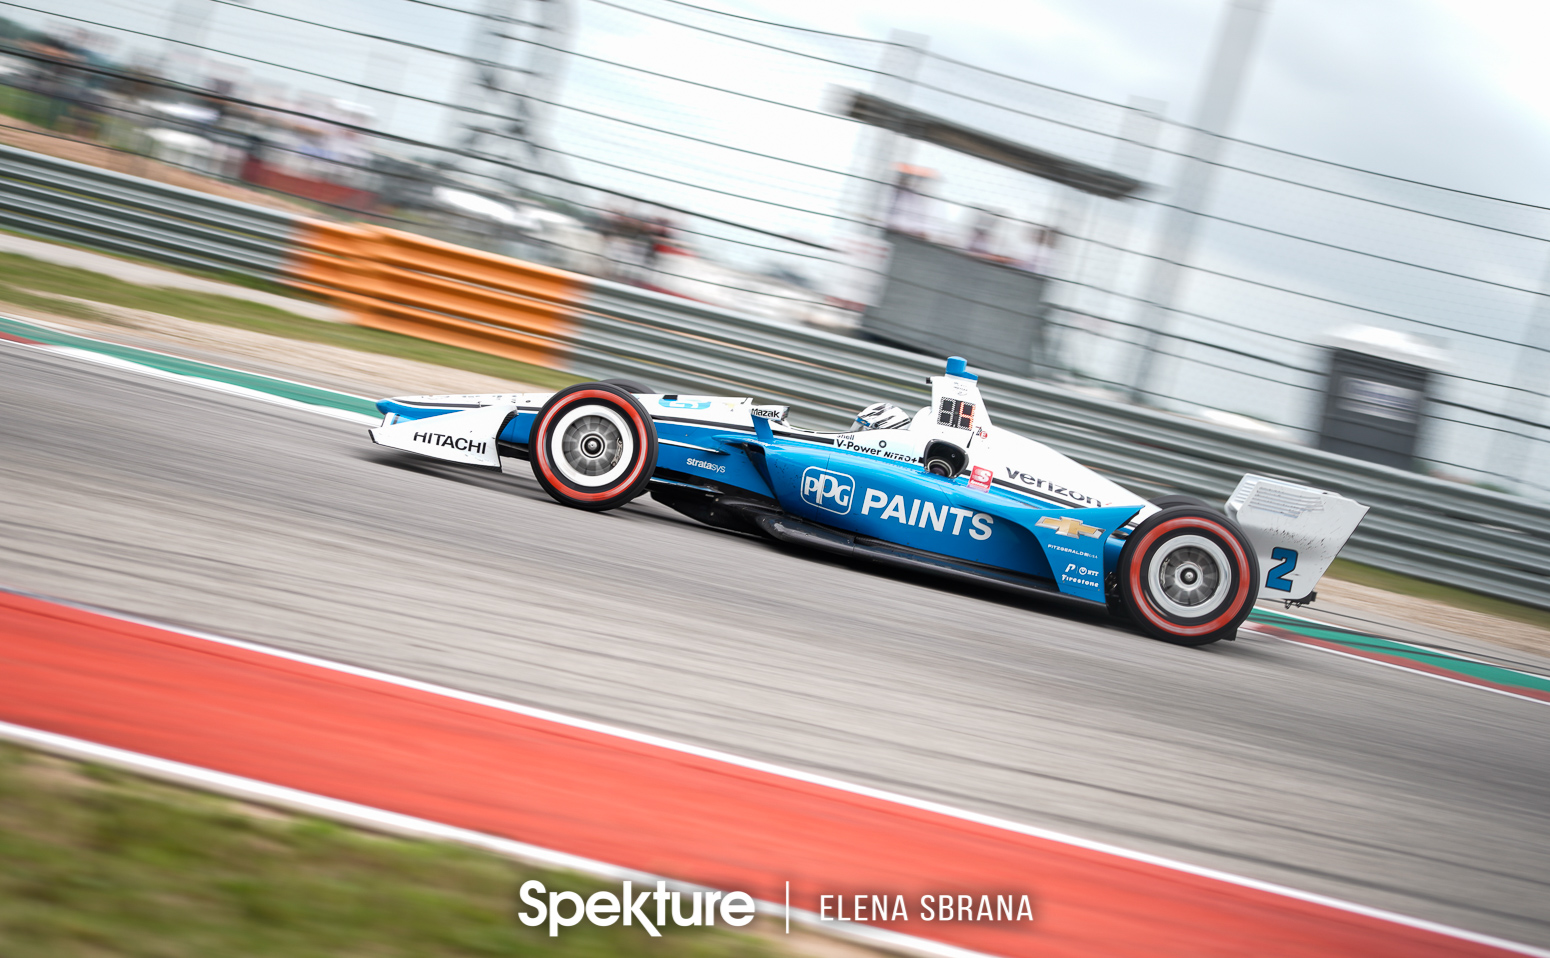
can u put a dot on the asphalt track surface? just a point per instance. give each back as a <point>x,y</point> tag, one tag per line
<point>1259,757</point>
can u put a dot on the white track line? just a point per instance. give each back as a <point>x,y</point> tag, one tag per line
<point>102,359</point>
<point>823,780</point>
<point>215,384</point>
<point>1439,653</point>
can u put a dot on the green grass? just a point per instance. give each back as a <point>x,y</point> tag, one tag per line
<point>1461,598</point>
<point>23,278</point>
<point>220,276</point>
<point>96,862</point>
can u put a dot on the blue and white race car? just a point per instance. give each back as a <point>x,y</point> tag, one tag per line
<point>942,489</point>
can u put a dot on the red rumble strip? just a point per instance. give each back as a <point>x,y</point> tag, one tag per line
<point>637,804</point>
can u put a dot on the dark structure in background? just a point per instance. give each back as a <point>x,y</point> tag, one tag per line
<point>945,302</point>
<point>1375,396</point>
<point>906,121</point>
<point>939,300</point>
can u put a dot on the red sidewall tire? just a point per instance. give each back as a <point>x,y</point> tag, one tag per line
<point>616,405</point>
<point>1149,544</point>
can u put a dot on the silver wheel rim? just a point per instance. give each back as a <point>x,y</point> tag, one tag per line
<point>1189,576</point>
<point>591,445</point>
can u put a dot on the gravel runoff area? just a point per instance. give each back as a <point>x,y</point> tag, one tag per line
<point>1414,619</point>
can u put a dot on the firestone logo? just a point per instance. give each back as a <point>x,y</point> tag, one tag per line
<point>829,491</point>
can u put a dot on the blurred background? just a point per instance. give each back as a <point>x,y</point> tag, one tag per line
<point>1322,222</point>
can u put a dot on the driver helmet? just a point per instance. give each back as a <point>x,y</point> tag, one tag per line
<point>880,415</point>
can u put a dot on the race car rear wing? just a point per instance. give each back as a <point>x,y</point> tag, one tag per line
<point>1296,530</point>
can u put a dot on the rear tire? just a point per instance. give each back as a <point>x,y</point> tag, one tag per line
<point>1188,576</point>
<point>593,447</point>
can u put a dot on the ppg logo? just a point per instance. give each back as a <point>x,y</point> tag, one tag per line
<point>829,491</point>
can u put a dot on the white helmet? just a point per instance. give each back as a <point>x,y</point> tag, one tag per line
<point>881,415</point>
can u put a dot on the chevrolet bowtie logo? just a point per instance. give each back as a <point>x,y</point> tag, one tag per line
<point>1066,526</point>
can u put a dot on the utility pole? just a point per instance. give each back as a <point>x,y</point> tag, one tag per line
<point>515,62</point>
<point>1510,454</point>
<point>1106,232</point>
<point>864,198</point>
<point>879,149</point>
<point>187,25</point>
<point>1176,234</point>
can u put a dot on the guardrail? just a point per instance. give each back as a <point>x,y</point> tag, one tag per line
<point>1432,529</point>
<point>126,214</point>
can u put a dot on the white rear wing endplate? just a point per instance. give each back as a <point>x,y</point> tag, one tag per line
<point>1296,530</point>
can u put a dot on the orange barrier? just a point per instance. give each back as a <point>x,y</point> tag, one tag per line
<point>439,291</point>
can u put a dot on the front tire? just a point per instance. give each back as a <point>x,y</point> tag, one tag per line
<point>593,447</point>
<point>1188,576</point>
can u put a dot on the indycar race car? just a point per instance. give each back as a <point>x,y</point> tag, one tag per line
<point>942,489</point>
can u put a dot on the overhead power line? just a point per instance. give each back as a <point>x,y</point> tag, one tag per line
<point>815,167</point>
<point>783,26</point>
<point>358,33</point>
<point>787,160</point>
<point>684,80</point>
<point>1092,99</point>
<point>827,170</point>
<point>424,144</point>
<point>1017,111</point>
<point>732,36</point>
